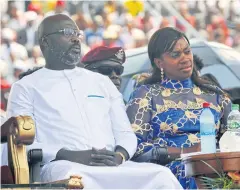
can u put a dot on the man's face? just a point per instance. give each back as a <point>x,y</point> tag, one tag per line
<point>109,68</point>
<point>64,44</point>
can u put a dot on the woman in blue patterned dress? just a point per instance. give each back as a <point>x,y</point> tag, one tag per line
<point>165,110</point>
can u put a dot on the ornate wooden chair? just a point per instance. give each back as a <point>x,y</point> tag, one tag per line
<point>19,132</point>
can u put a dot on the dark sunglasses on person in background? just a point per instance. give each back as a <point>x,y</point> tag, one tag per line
<point>107,70</point>
<point>68,32</point>
<point>177,54</point>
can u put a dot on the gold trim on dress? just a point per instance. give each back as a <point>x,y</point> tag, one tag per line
<point>169,104</point>
<point>136,127</point>
<point>165,127</point>
<point>193,138</point>
<point>175,128</point>
<point>143,103</point>
<point>190,114</point>
<point>166,92</point>
<point>197,91</point>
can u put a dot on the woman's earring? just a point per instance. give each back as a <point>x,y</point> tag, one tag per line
<point>162,74</point>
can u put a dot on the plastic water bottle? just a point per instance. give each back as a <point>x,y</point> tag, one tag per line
<point>233,121</point>
<point>231,138</point>
<point>207,130</point>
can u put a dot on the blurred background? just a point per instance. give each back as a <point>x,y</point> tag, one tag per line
<point>124,23</point>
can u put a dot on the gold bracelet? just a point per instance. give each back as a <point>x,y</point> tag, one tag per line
<point>123,157</point>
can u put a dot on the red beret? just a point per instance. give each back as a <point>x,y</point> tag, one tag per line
<point>100,53</point>
<point>60,3</point>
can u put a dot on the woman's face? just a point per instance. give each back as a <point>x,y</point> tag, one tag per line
<point>178,64</point>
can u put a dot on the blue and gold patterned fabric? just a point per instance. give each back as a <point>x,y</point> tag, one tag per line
<point>167,114</point>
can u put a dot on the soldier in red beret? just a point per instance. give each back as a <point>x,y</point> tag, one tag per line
<point>107,61</point>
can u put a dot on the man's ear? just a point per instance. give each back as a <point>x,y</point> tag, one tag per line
<point>44,42</point>
<point>158,62</point>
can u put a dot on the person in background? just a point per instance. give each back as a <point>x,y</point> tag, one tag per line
<point>111,38</point>
<point>5,89</point>
<point>183,10</point>
<point>85,130</point>
<point>139,38</point>
<point>27,36</point>
<point>18,68</point>
<point>107,61</point>
<point>36,7</point>
<point>15,17</point>
<point>94,34</point>
<point>134,7</point>
<point>11,50</point>
<point>60,8</point>
<point>165,110</point>
<point>36,59</point>
<point>80,19</point>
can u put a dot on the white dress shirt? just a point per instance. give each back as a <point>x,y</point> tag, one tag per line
<point>73,109</point>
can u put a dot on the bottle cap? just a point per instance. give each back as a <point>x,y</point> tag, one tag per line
<point>206,105</point>
<point>235,107</point>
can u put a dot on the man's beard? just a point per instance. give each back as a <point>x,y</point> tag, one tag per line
<point>69,57</point>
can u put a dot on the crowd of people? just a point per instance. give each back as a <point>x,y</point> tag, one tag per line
<point>85,109</point>
<point>126,24</point>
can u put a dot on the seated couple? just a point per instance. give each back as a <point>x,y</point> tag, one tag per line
<point>81,123</point>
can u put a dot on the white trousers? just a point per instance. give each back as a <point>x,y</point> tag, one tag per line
<point>129,175</point>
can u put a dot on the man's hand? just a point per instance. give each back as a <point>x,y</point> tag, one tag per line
<point>105,157</point>
<point>91,157</point>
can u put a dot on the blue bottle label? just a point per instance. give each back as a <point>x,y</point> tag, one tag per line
<point>207,133</point>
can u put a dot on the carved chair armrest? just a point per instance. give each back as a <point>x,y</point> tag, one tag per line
<point>5,129</point>
<point>22,127</point>
<point>74,182</point>
<point>22,130</point>
<point>21,133</point>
